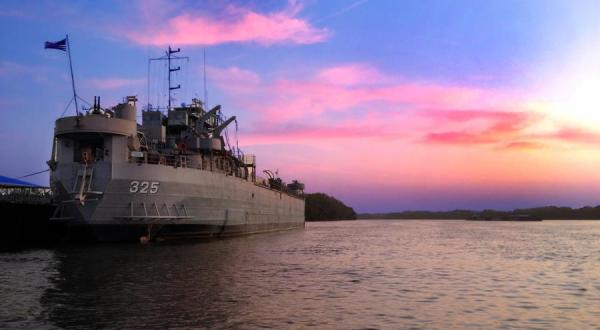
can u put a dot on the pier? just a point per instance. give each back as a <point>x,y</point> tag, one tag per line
<point>25,209</point>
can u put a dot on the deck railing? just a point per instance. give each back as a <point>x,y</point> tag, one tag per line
<point>189,162</point>
<point>25,195</point>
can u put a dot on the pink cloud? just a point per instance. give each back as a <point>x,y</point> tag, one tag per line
<point>524,145</point>
<point>413,93</point>
<point>234,79</point>
<point>348,102</point>
<point>352,74</point>
<point>318,133</point>
<point>246,26</point>
<point>37,73</point>
<point>459,138</point>
<point>502,126</point>
<point>294,99</point>
<point>114,83</point>
<point>499,126</point>
<point>575,135</point>
<point>462,115</point>
<point>492,126</point>
<point>341,89</point>
<point>324,123</point>
<point>8,68</point>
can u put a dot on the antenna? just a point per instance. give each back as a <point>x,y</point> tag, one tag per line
<point>72,78</point>
<point>169,52</point>
<point>148,80</point>
<point>205,91</point>
<point>168,57</point>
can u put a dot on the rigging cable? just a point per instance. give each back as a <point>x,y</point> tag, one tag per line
<point>32,174</point>
<point>84,101</point>
<point>66,108</point>
<point>186,87</point>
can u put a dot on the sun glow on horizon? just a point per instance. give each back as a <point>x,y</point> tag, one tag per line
<point>571,89</point>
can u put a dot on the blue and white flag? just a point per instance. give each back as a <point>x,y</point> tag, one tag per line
<point>60,45</point>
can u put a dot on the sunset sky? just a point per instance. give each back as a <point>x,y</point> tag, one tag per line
<point>386,105</point>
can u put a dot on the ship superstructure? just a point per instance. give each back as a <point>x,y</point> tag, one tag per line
<point>173,176</point>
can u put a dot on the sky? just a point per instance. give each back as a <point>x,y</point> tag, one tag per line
<point>386,105</point>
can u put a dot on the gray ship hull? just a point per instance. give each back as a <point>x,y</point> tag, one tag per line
<point>86,233</point>
<point>127,201</point>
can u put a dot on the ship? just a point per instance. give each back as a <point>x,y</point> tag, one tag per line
<point>174,176</point>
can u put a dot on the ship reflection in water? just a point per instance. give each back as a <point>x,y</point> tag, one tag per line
<point>361,274</point>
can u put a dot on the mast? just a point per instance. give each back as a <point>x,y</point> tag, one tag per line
<point>169,52</point>
<point>148,81</point>
<point>72,77</point>
<point>169,57</point>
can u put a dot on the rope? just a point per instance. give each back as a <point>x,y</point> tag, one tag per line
<point>187,87</point>
<point>32,174</point>
<point>66,108</point>
<point>84,101</point>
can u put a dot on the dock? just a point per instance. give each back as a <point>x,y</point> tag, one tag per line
<point>25,209</point>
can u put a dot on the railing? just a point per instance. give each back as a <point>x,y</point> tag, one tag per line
<point>262,182</point>
<point>205,164</point>
<point>25,195</point>
<point>167,160</point>
<point>186,161</point>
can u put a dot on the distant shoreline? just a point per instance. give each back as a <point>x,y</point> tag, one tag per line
<point>446,219</point>
<point>546,213</point>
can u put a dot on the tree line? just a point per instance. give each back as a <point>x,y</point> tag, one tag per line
<point>546,212</point>
<point>322,207</point>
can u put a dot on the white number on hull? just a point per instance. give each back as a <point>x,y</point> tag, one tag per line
<point>154,187</point>
<point>143,187</point>
<point>134,186</point>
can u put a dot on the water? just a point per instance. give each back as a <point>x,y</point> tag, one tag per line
<point>343,275</point>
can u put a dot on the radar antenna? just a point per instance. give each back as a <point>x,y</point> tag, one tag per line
<point>168,57</point>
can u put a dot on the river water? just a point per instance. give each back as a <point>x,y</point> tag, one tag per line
<point>378,274</point>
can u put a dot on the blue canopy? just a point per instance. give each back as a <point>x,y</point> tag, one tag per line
<point>6,182</point>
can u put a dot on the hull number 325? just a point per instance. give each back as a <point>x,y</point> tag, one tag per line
<point>143,187</point>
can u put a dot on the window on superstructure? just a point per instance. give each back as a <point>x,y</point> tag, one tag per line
<point>89,149</point>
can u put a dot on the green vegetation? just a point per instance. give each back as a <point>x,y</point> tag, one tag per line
<point>546,212</point>
<point>322,207</point>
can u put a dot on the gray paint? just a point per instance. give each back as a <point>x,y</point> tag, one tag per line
<point>213,203</point>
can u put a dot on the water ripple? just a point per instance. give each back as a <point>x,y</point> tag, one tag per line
<point>354,275</point>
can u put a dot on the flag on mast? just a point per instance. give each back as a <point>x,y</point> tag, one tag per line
<point>60,45</point>
<point>65,47</point>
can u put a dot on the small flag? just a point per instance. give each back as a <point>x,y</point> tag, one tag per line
<point>60,45</point>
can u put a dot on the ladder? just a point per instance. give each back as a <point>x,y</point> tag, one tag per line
<point>83,183</point>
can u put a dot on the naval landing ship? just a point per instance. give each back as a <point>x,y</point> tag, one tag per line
<point>174,176</point>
